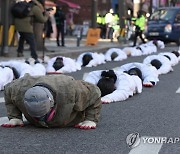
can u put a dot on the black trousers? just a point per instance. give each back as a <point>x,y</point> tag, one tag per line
<point>138,33</point>
<point>30,39</point>
<point>60,30</point>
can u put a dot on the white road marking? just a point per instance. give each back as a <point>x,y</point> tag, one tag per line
<point>178,90</point>
<point>146,148</point>
<point>2,100</point>
<point>85,75</point>
<point>3,120</point>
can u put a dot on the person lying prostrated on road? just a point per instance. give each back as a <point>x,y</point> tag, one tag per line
<point>38,68</point>
<point>90,59</point>
<point>23,67</point>
<point>62,65</point>
<point>172,56</point>
<point>52,101</point>
<point>162,63</point>
<point>114,85</point>
<point>149,73</point>
<point>6,76</point>
<point>115,54</point>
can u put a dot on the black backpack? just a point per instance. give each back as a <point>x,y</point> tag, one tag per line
<point>21,9</point>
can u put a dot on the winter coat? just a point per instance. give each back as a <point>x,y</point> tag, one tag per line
<point>26,24</point>
<point>75,100</point>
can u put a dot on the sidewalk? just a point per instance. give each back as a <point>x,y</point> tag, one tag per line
<point>70,50</point>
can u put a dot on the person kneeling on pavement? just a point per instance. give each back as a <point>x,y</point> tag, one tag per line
<point>52,101</point>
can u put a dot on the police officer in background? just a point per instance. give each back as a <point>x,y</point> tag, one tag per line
<point>140,22</point>
<point>60,19</point>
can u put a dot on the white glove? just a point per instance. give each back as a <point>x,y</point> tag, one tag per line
<point>13,123</point>
<point>86,125</point>
<point>106,100</point>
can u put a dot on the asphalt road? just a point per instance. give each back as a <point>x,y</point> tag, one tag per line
<point>153,113</point>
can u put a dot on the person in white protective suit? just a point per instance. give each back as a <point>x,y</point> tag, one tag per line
<point>162,63</point>
<point>149,73</point>
<point>172,56</point>
<point>158,43</point>
<point>147,49</point>
<point>21,67</point>
<point>24,67</point>
<point>132,51</point>
<point>61,64</point>
<point>37,67</point>
<point>90,59</point>
<point>115,54</point>
<point>6,76</point>
<point>114,85</point>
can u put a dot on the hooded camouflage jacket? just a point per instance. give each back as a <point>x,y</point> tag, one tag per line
<point>75,100</point>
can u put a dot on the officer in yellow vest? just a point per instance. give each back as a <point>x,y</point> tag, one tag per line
<point>140,22</point>
<point>98,20</point>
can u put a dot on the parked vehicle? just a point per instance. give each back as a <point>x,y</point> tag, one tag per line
<point>164,24</point>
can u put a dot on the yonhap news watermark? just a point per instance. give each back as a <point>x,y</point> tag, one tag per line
<point>134,139</point>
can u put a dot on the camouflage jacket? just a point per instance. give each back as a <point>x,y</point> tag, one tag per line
<point>75,100</point>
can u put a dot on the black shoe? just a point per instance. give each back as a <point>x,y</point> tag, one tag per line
<point>36,61</point>
<point>27,62</point>
<point>19,54</point>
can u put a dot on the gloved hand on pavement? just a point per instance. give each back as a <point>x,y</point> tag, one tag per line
<point>13,123</point>
<point>147,84</point>
<point>86,125</point>
<point>106,100</point>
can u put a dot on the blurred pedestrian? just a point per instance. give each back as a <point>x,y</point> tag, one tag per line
<point>48,27</point>
<point>109,23</point>
<point>140,22</point>
<point>25,27</point>
<point>60,19</point>
<point>52,101</point>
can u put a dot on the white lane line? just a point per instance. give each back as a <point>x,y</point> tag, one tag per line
<point>178,90</point>
<point>2,100</point>
<point>3,120</point>
<point>85,75</point>
<point>146,148</point>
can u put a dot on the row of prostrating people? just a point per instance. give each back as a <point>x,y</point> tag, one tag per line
<point>57,64</point>
<point>124,81</point>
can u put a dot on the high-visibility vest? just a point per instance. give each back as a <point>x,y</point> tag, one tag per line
<point>103,22</point>
<point>98,19</point>
<point>140,22</point>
